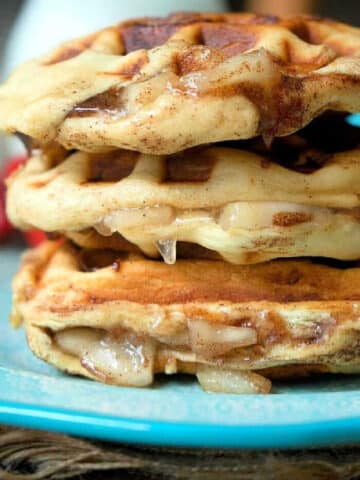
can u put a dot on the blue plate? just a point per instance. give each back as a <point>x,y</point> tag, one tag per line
<point>354,119</point>
<point>324,411</point>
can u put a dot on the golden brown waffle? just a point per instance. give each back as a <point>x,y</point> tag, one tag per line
<point>236,203</point>
<point>160,85</point>
<point>90,239</point>
<point>198,316</point>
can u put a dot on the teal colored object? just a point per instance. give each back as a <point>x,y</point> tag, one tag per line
<point>175,411</point>
<point>354,119</point>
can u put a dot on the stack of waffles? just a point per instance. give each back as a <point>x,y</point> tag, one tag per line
<point>202,189</point>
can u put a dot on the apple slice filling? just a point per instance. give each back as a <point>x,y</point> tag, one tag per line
<point>124,358</point>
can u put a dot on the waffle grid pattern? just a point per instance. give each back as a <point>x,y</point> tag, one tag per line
<point>161,86</point>
<point>195,197</point>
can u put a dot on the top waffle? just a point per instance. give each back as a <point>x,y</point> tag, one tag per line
<point>163,85</point>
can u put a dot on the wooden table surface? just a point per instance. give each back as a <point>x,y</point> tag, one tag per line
<point>36,455</point>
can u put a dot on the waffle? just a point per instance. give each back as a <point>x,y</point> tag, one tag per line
<point>161,85</point>
<point>90,239</point>
<point>235,203</point>
<point>88,313</point>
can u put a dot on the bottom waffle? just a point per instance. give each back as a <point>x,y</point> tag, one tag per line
<point>121,318</point>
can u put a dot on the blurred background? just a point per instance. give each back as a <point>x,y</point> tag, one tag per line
<point>31,27</point>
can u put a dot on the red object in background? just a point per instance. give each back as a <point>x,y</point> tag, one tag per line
<point>5,227</point>
<point>32,237</point>
<point>12,165</point>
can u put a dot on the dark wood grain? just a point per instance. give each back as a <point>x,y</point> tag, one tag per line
<point>34,455</point>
